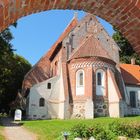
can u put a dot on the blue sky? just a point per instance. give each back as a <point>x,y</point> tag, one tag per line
<point>36,33</point>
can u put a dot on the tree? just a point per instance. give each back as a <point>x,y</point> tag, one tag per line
<point>127,51</point>
<point>12,70</point>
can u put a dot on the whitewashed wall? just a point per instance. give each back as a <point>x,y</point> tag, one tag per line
<point>113,96</point>
<point>134,111</point>
<point>41,91</point>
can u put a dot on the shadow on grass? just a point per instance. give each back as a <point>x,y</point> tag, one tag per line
<point>8,122</point>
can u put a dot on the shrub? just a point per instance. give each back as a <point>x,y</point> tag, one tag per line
<point>97,131</point>
<point>81,131</point>
<point>131,130</point>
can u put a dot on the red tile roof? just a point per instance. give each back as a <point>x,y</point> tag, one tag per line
<point>91,46</point>
<point>130,73</point>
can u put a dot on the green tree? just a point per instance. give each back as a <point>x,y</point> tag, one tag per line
<point>127,51</point>
<point>12,70</point>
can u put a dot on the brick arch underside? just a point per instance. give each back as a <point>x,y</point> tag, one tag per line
<point>123,14</point>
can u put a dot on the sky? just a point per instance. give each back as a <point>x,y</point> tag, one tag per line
<point>36,33</point>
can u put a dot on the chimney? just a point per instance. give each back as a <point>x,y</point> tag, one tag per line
<point>133,61</point>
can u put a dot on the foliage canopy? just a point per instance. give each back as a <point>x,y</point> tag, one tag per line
<point>12,70</point>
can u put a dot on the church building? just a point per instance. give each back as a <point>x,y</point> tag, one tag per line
<point>81,77</point>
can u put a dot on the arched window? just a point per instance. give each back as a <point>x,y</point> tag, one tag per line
<point>80,78</point>
<point>49,86</point>
<point>100,82</point>
<point>80,82</point>
<point>41,102</point>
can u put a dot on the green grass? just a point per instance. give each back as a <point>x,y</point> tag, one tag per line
<point>51,129</point>
<point>1,136</point>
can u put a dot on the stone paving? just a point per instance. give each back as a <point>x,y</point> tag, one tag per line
<point>15,131</point>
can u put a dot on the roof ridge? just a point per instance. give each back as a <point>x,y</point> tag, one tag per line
<point>74,21</point>
<point>76,49</point>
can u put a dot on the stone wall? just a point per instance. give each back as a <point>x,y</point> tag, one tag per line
<point>83,109</point>
<point>101,107</point>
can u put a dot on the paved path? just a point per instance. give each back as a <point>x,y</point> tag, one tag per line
<point>15,131</point>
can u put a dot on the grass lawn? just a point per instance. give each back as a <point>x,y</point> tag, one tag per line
<point>51,129</point>
<point>1,136</point>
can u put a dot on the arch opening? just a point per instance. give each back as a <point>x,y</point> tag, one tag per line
<point>124,15</point>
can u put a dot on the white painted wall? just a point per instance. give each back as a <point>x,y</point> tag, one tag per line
<point>114,101</point>
<point>89,109</point>
<point>54,99</point>
<point>40,91</point>
<point>130,110</point>
<point>61,98</point>
<point>112,91</point>
<point>137,90</point>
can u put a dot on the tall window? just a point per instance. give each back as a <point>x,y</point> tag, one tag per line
<point>100,82</point>
<point>99,78</point>
<point>41,102</point>
<point>80,78</point>
<point>80,82</point>
<point>133,99</point>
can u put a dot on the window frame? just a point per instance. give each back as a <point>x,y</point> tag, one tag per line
<point>49,85</point>
<point>102,78</point>
<point>80,71</point>
<point>41,102</point>
<point>100,86</point>
<point>134,103</point>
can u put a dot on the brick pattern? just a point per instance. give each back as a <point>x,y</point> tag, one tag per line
<point>123,14</point>
<point>100,102</point>
<point>96,64</point>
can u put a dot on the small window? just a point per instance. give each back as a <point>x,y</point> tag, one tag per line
<point>133,99</point>
<point>49,86</point>
<point>41,102</point>
<point>99,79</point>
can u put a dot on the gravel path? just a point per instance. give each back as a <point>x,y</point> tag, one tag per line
<point>15,131</point>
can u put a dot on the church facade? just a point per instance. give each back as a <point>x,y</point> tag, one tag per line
<point>81,77</point>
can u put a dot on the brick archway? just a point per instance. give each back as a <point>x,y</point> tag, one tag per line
<point>123,14</point>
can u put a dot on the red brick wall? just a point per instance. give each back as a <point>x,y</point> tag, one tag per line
<point>55,64</point>
<point>123,14</point>
<point>89,77</point>
<point>87,81</point>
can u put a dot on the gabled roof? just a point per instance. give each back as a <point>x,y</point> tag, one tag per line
<point>43,65</point>
<point>70,26</point>
<point>130,73</point>
<point>90,47</point>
